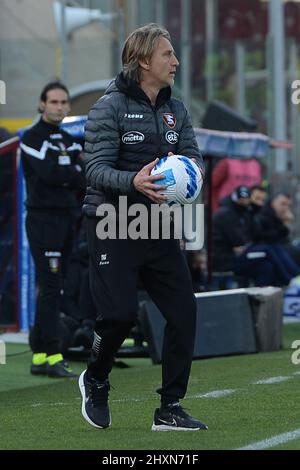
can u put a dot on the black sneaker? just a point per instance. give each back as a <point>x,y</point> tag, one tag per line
<point>95,401</point>
<point>174,418</point>
<point>60,369</point>
<point>41,369</point>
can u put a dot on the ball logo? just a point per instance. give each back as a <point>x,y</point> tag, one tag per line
<point>133,137</point>
<point>172,137</point>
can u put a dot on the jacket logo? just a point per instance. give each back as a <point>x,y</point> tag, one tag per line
<point>103,259</point>
<point>64,160</point>
<point>50,254</point>
<point>170,120</point>
<point>133,137</point>
<point>172,137</point>
<point>133,116</point>
<point>56,136</point>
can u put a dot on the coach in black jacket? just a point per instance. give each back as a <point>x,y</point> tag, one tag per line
<point>232,225</point>
<point>134,124</point>
<point>53,171</point>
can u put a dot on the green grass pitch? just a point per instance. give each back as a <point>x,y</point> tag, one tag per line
<point>43,413</point>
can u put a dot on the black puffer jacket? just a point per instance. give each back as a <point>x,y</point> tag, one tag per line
<point>52,167</point>
<point>124,132</point>
<point>268,228</point>
<point>231,228</point>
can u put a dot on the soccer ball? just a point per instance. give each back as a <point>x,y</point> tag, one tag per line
<point>183,179</point>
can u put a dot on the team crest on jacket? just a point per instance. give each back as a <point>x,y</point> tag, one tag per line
<point>169,119</point>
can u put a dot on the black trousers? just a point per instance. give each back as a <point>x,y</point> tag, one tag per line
<point>50,237</point>
<point>115,266</point>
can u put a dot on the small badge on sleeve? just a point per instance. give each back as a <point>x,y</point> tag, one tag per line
<point>54,264</point>
<point>64,160</point>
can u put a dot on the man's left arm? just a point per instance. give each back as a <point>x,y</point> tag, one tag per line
<point>77,159</point>
<point>187,144</point>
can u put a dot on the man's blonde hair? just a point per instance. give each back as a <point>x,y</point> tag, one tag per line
<point>139,46</point>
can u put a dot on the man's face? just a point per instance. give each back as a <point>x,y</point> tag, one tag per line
<point>281,205</point>
<point>162,65</point>
<point>258,197</point>
<point>56,107</point>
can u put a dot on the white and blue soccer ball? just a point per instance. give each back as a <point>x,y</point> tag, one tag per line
<point>183,179</point>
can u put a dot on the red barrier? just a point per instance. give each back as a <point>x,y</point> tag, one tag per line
<point>11,146</point>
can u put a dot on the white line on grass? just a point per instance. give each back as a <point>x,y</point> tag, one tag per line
<point>273,441</point>
<point>49,404</point>
<point>273,380</point>
<point>122,400</point>
<point>214,394</point>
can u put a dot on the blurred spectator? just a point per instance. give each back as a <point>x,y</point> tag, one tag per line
<point>266,260</point>
<point>278,217</point>
<point>272,221</point>
<point>231,229</point>
<point>230,173</point>
<point>258,196</point>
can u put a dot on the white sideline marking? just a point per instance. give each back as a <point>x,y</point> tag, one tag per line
<point>273,380</point>
<point>122,400</point>
<point>273,441</point>
<point>291,319</point>
<point>117,400</point>
<point>214,394</point>
<point>49,404</point>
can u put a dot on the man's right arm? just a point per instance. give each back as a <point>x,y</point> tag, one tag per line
<point>102,148</point>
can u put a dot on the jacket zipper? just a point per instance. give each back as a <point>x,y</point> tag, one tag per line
<point>157,132</point>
